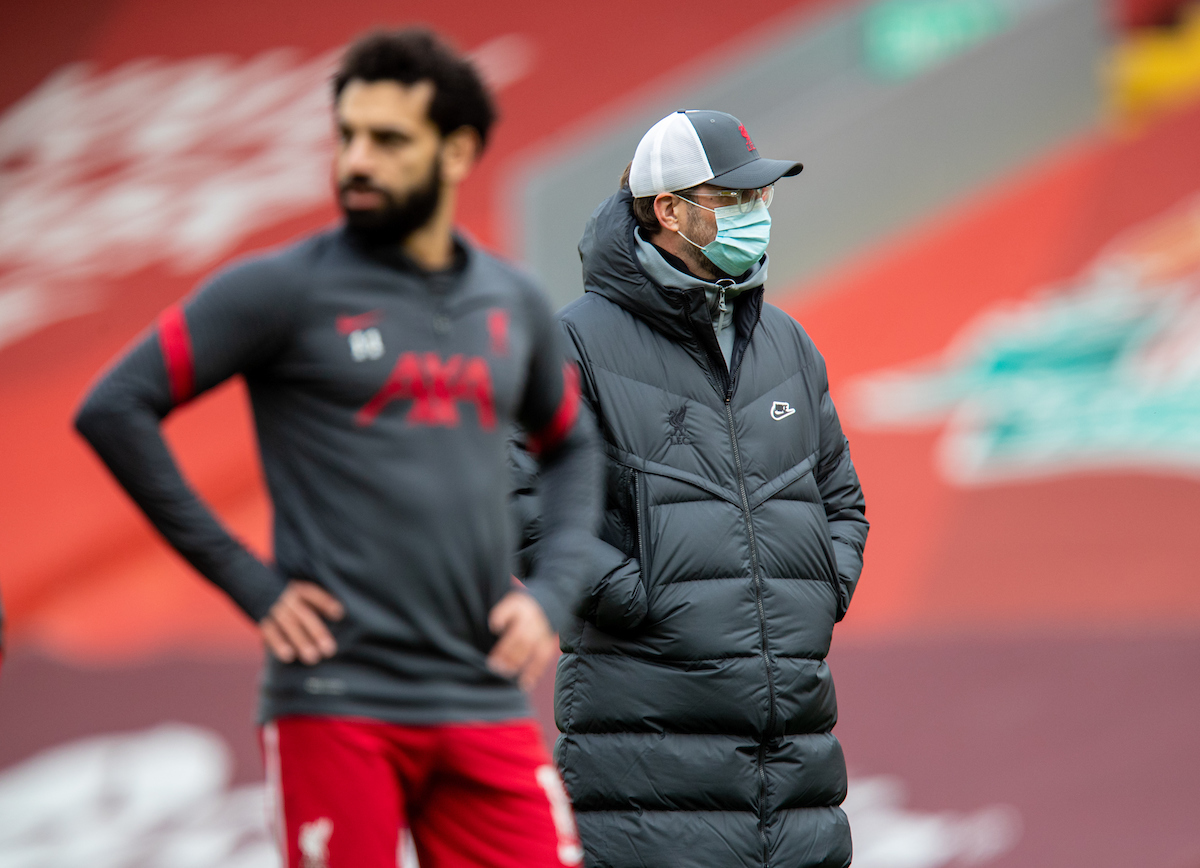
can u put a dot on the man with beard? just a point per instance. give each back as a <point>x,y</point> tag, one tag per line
<point>695,703</point>
<point>386,362</point>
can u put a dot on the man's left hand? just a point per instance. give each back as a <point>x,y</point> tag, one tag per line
<point>527,642</point>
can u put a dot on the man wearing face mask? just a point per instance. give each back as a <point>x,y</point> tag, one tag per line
<point>693,696</point>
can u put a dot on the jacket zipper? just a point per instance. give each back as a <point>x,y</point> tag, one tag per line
<point>762,623</point>
<point>762,611</point>
<point>758,590</point>
<point>637,516</point>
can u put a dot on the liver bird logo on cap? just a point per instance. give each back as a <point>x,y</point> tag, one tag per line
<point>746,136</point>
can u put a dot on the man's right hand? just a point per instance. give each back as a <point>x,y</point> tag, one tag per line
<point>294,628</point>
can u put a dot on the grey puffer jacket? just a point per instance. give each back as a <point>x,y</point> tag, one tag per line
<point>693,697</point>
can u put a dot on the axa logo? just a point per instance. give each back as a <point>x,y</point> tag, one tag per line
<point>314,843</point>
<point>781,410</point>
<point>436,387</point>
<point>1101,374</point>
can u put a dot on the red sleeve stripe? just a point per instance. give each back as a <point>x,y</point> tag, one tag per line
<point>176,346</point>
<point>564,417</point>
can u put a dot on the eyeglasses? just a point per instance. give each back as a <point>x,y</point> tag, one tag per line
<point>745,200</point>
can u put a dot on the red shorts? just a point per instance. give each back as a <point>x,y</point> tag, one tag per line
<point>473,794</point>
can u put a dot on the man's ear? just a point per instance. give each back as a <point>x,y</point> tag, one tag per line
<point>460,150</point>
<point>665,206</point>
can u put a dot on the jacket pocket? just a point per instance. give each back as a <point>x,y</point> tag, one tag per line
<point>619,601</point>
<point>640,526</point>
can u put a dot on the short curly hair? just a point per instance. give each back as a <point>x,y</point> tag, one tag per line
<point>460,98</point>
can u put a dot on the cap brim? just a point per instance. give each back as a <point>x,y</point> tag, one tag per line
<point>757,173</point>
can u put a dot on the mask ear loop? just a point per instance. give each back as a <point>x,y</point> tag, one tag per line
<point>691,242</point>
<point>680,231</point>
<point>697,204</point>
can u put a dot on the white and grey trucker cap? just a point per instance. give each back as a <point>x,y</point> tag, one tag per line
<point>687,148</point>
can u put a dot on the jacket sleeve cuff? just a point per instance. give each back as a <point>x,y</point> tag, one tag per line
<point>620,603</point>
<point>849,566</point>
<point>615,600</point>
<point>591,580</point>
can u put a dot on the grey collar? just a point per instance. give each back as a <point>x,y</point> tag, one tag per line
<point>719,294</point>
<point>720,306</point>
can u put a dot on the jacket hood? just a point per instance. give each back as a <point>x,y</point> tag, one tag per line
<point>612,269</point>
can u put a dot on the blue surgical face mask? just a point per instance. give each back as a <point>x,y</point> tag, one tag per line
<point>741,237</point>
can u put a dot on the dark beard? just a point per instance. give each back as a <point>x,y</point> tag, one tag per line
<point>392,224</point>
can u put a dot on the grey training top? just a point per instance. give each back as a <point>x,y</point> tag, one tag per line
<point>382,396</point>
